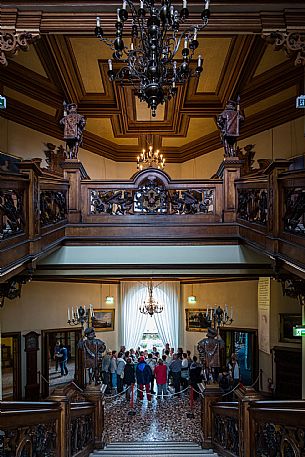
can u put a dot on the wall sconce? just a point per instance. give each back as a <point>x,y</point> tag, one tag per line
<point>191,300</point>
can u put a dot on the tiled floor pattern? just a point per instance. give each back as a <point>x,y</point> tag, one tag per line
<point>161,420</point>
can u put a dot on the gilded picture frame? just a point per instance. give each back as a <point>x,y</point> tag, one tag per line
<point>103,320</point>
<point>195,321</point>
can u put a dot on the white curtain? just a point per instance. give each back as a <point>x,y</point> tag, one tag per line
<point>168,295</point>
<point>133,295</point>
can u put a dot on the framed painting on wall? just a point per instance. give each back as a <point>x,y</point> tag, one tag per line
<point>287,322</point>
<point>195,321</point>
<point>103,320</point>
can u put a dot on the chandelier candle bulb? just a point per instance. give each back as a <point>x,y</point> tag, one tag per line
<point>199,63</point>
<point>110,64</point>
<point>207,4</point>
<point>118,15</point>
<point>184,4</point>
<point>98,21</point>
<point>185,42</point>
<point>69,314</point>
<point>124,5</point>
<point>141,5</point>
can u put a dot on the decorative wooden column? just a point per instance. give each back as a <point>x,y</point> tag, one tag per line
<point>230,171</point>
<point>275,221</point>
<point>210,394</point>
<point>64,432</point>
<point>32,168</point>
<point>32,390</point>
<point>96,394</point>
<point>74,171</point>
<point>245,395</point>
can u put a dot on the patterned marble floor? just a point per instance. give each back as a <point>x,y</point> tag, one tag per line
<point>158,420</point>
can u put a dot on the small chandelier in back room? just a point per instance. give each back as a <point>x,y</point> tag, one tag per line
<point>151,62</point>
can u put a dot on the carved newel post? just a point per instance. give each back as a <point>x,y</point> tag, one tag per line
<point>245,396</point>
<point>210,394</point>
<point>31,349</point>
<point>96,394</point>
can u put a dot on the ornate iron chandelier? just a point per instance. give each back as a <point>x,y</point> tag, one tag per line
<point>151,62</point>
<point>150,158</point>
<point>150,306</point>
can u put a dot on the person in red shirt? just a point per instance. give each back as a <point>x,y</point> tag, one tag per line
<point>161,378</point>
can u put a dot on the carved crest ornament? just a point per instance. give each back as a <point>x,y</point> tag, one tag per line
<point>12,42</point>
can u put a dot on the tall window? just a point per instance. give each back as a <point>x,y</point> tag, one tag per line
<point>134,324</point>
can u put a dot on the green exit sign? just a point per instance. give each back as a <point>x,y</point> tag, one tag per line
<point>299,330</point>
<point>2,102</point>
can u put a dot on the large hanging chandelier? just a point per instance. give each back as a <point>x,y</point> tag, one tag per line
<point>151,62</point>
<point>150,306</point>
<point>150,159</point>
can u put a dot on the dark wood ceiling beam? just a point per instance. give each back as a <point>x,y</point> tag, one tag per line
<point>233,67</point>
<point>66,68</point>
<point>79,17</point>
<point>31,84</point>
<point>270,83</point>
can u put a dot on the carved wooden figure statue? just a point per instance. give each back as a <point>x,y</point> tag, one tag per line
<point>93,352</point>
<point>74,125</point>
<point>229,122</point>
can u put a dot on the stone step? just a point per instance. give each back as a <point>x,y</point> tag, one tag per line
<point>149,452</point>
<point>155,444</point>
<point>166,451</point>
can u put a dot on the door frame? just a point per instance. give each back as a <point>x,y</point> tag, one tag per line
<point>45,337</point>
<point>17,390</point>
<point>255,361</point>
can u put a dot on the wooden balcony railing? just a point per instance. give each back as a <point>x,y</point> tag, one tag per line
<point>39,210</point>
<point>251,427</point>
<point>277,428</point>
<point>66,426</point>
<point>225,428</point>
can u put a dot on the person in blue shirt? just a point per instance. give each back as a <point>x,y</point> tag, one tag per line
<point>143,375</point>
<point>63,359</point>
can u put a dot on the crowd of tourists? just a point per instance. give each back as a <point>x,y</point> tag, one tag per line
<point>152,372</point>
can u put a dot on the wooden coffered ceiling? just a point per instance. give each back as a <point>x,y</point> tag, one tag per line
<point>69,63</point>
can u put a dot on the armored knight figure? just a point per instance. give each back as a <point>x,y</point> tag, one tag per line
<point>74,125</point>
<point>209,353</point>
<point>229,122</point>
<point>93,352</point>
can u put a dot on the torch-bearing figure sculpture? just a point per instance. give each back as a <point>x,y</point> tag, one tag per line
<point>74,125</point>
<point>93,352</point>
<point>209,353</point>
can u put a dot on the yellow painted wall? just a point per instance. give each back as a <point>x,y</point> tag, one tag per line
<point>282,142</point>
<point>43,305</point>
<point>241,295</point>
